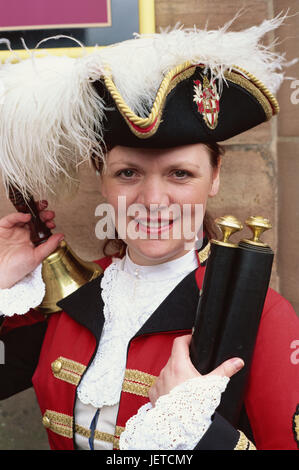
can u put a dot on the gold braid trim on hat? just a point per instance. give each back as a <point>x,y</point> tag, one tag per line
<point>177,79</point>
<point>251,88</point>
<point>160,97</point>
<point>273,101</point>
<point>247,80</point>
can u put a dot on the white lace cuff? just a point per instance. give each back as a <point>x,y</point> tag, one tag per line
<point>27,293</point>
<point>178,420</point>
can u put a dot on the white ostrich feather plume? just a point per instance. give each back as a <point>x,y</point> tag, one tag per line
<point>51,119</point>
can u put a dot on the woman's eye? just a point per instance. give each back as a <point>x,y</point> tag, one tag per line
<point>126,173</point>
<point>181,174</point>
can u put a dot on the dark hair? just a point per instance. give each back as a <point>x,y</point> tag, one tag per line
<point>118,246</point>
<point>216,151</point>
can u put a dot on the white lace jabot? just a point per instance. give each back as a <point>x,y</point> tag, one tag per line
<point>131,293</point>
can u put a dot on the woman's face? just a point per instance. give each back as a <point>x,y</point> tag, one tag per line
<point>164,193</point>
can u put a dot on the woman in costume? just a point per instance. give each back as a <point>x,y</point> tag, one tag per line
<point>112,370</point>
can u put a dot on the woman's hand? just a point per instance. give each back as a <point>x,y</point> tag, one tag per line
<point>179,368</point>
<point>18,255</point>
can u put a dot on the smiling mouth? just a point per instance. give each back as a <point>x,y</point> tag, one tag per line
<point>154,226</point>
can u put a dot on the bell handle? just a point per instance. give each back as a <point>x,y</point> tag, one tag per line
<point>39,232</point>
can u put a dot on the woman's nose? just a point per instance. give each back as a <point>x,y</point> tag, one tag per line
<point>153,191</point>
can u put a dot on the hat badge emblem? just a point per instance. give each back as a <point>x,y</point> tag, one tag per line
<point>207,99</point>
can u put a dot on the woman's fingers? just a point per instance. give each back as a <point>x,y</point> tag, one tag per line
<point>180,352</point>
<point>16,218</point>
<point>42,204</point>
<point>20,218</point>
<point>50,225</point>
<point>180,347</point>
<point>47,216</point>
<point>229,367</point>
<point>46,248</point>
<point>179,368</point>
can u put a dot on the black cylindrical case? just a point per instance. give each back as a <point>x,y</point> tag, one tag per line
<point>210,320</point>
<point>248,289</point>
<point>229,311</point>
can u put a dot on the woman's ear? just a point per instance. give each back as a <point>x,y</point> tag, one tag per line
<point>215,180</point>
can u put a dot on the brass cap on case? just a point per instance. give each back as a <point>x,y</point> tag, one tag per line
<point>257,225</point>
<point>228,225</point>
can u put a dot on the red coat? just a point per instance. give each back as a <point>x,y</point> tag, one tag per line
<point>67,342</point>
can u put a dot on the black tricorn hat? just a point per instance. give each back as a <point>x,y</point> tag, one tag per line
<point>189,108</point>
<point>163,90</point>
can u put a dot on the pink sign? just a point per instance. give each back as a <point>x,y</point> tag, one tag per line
<point>41,14</point>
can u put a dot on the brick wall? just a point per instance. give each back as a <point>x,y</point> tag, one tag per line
<point>259,176</point>
<point>287,146</point>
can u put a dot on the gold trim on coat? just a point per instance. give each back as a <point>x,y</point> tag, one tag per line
<point>59,423</point>
<point>296,425</point>
<point>203,254</point>
<point>138,382</point>
<point>101,436</point>
<point>244,443</point>
<point>118,431</point>
<point>67,370</point>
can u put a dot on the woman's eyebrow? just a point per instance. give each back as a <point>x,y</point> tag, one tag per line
<point>184,164</point>
<point>170,166</point>
<point>124,162</point>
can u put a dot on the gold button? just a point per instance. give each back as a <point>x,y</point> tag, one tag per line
<point>46,421</point>
<point>56,366</point>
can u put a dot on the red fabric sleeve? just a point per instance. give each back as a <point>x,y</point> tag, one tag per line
<point>33,316</point>
<point>17,321</point>
<point>273,391</point>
